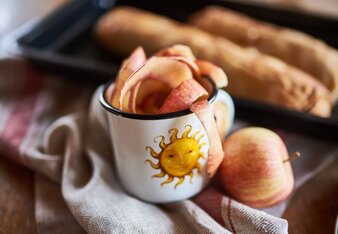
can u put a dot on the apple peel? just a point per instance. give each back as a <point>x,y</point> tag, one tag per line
<point>129,66</point>
<point>163,69</point>
<point>204,112</point>
<point>132,99</point>
<point>214,72</point>
<point>183,96</point>
<point>190,63</point>
<point>176,50</point>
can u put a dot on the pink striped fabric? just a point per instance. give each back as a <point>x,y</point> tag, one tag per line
<point>29,102</point>
<point>210,200</point>
<point>20,116</point>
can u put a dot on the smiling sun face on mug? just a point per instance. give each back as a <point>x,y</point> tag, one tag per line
<point>178,158</point>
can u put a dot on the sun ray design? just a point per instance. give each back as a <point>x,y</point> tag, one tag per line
<point>160,175</point>
<point>185,134</point>
<point>152,152</point>
<point>180,181</point>
<point>191,174</point>
<point>173,133</point>
<point>195,134</point>
<point>153,165</point>
<point>179,157</point>
<point>169,180</point>
<point>162,144</point>
<point>199,168</point>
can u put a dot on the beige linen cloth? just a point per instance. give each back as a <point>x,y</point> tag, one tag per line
<point>59,129</point>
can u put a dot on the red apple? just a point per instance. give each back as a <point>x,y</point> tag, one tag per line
<point>256,169</point>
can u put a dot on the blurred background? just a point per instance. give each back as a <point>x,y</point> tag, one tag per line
<point>15,12</point>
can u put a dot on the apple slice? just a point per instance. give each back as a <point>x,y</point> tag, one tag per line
<point>129,66</point>
<point>183,96</point>
<point>214,72</point>
<point>176,50</point>
<point>204,112</point>
<point>165,69</point>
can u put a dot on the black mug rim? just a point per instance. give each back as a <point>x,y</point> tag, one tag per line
<point>129,115</point>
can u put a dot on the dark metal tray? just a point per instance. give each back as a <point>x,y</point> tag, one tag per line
<point>63,43</point>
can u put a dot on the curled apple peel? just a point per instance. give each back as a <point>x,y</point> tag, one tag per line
<point>176,50</point>
<point>183,96</point>
<point>164,69</point>
<point>204,112</point>
<point>172,80</point>
<point>214,72</point>
<point>129,66</point>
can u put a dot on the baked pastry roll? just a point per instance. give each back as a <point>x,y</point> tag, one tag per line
<point>291,46</point>
<point>251,74</point>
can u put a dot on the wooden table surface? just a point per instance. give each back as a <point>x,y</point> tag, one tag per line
<point>313,209</point>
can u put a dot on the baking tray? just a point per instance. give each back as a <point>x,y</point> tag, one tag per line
<point>63,43</point>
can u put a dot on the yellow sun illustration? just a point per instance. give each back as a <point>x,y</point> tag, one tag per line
<point>178,158</point>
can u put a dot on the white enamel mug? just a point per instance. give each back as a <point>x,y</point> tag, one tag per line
<point>161,158</point>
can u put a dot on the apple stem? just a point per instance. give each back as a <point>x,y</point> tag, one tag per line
<point>292,157</point>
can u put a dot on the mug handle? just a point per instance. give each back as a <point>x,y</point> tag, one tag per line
<point>224,112</point>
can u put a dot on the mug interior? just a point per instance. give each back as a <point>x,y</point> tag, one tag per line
<point>209,85</point>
